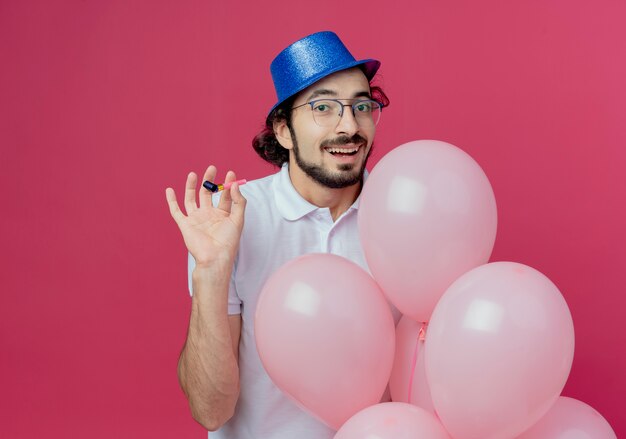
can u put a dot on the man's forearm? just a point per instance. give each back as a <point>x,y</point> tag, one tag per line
<point>208,369</point>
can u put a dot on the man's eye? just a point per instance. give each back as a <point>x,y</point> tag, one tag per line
<point>364,107</point>
<point>321,108</point>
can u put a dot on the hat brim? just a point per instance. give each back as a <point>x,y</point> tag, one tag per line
<point>369,66</point>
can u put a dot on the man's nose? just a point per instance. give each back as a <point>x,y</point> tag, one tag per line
<point>347,122</point>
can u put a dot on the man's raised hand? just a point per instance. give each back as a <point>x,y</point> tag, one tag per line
<point>211,234</point>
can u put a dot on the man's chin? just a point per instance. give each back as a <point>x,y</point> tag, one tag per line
<point>347,175</point>
<point>333,176</point>
<point>346,167</point>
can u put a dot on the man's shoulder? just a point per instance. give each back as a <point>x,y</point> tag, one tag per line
<point>259,187</point>
<point>263,180</point>
<point>255,191</point>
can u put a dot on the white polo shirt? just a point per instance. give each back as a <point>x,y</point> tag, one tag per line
<point>279,226</point>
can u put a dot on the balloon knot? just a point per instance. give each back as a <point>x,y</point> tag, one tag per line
<point>422,333</point>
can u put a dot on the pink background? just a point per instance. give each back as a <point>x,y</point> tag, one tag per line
<point>105,103</point>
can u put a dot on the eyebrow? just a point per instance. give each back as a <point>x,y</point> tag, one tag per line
<point>327,92</point>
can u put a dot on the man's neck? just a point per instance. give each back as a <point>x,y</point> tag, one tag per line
<point>336,200</point>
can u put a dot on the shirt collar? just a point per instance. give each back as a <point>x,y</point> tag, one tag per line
<point>290,203</point>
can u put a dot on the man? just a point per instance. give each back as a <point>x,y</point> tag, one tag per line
<point>320,133</point>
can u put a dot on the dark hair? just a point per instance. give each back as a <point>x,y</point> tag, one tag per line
<point>265,143</point>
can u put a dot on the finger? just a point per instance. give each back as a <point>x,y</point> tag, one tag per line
<point>226,200</point>
<point>190,193</point>
<point>175,211</point>
<point>238,206</point>
<point>206,195</point>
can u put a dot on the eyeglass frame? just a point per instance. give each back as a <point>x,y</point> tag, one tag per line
<point>313,102</point>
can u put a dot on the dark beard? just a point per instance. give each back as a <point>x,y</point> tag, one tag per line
<point>341,180</point>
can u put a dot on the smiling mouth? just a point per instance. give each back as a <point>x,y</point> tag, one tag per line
<point>342,151</point>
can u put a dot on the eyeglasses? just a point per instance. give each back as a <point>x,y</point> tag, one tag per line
<point>328,112</point>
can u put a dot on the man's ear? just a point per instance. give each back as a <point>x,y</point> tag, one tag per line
<point>283,134</point>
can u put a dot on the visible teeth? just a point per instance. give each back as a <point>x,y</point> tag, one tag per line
<point>342,150</point>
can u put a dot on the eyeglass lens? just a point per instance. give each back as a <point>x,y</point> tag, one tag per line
<point>328,112</point>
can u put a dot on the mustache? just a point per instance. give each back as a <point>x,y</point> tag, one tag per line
<point>344,140</point>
